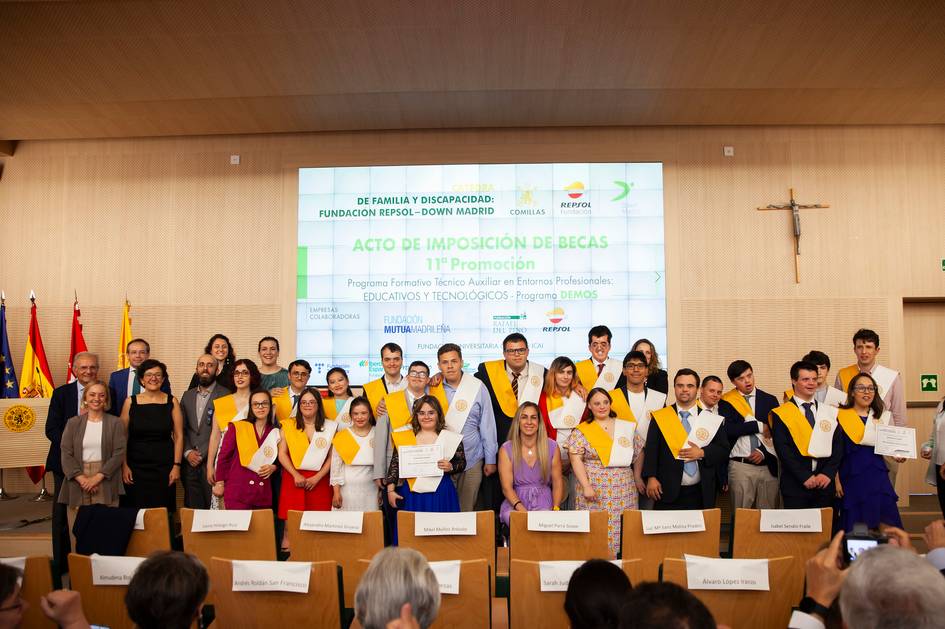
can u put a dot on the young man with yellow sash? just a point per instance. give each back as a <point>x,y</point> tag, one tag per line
<point>807,443</point>
<point>684,451</point>
<point>392,358</point>
<point>634,401</point>
<point>599,371</point>
<point>752,464</point>
<point>468,411</point>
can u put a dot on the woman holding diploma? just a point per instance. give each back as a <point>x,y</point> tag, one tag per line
<point>246,458</point>
<point>338,402</point>
<point>529,466</point>
<point>434,492</point>
<point>863,486</point>
<point>606,458</point>
<point>244,377</point>
<point>352,462</point>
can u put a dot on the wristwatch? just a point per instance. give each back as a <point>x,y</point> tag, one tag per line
<point>810,606</point>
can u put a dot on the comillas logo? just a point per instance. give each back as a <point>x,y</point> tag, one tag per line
<point>555,315</point>
<point>575,190</point>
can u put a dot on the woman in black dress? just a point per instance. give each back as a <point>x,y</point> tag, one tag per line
<point>155,442</point>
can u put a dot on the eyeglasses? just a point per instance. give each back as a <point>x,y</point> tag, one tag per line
<point>636,366</point>
<point>417,374</point>
<point>152,376</point>
<point>306,402</point>
<point>864,389</point>
<point>261,404</point>
<point>602,345</point>
<point>518,351</point>
<point>241,372</point>
<point>299,374</point>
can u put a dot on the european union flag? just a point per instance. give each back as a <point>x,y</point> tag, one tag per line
<point>8,384</point>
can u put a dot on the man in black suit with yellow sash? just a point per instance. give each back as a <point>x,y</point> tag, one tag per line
<point>807,478</point>
<point>679,473</point>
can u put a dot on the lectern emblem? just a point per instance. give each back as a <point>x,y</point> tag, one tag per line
<point>19,418</point>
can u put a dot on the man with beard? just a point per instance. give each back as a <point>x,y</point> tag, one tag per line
<point>197,406</point>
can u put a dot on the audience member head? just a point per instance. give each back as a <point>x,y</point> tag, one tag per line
<point>892,588</point>
<point>395,577</point>
<point>338,384</point>
<point>138,351</point>
<point>219,347</point>
<point>526,425</point>
<point>85,367</point>
<point>664,605</point>
<point>310,408</point>
<point>151,374</point>
<point>599,404</point>
<point>244,375</point>
<point>595,595</point>
<point>260,407</point>
<point>649,351</point>
<point>598,342</point>
<point>361,412</point>
<point>864,390</point>
<point>427,413</point>
<point>12,607</point>
<point>560,376</point>
<point>167,591</point>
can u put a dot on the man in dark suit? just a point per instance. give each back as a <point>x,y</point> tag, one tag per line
<point>197,407</point>
<point>123,382</point>
<point>752,469</point>
<point>806,481</point>
<point>688,482</point>
<point>63,406</point>
<point>710,398</point>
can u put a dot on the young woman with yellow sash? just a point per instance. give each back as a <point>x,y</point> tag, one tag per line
<point>340,396</point>
<point>303,452</point>
<point>863,486</point>
<point>605,456</point>
<point>243,378</point>
<point>352,462</point>
<point>562,406</point>
<point>249,449</point>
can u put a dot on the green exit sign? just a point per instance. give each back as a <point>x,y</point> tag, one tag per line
<point>929,382</point>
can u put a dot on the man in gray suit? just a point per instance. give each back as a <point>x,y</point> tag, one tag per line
<point>197,407</point>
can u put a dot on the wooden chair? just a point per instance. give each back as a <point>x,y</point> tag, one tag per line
<point>750,543</point>
<point>345,548</point>
<point>103,604</point>
<point>530,607</point>
<point>155,536</point>
<point>320,608</point>
<point>37,582</point>
<point>547,546</point>
<point>653,549</point>
<point>449,547</point>
<point>746,609</point>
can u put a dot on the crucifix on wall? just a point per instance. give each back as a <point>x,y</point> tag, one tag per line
<point>795,208</point>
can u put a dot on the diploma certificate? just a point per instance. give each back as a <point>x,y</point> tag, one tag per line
<point>898,441</point>
<point>420,461</point>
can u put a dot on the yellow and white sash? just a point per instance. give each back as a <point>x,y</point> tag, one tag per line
<point>502,385</point>
<point>343,417</point>
<point>607,380</point>
<point>225,411</point>
<point>742,446</point>
<point>447,439</point>
<point>616,451</point>
<point>702,428</point>
<point>884,377</point>
<point>398,409</point>
<point>564,414</point>
<point>252,455</point>
<point>856,430</point>
<point>457,411</point>
<point>309,456</point>
<point>283,406</point>
<point>814,442</point>
<point>354,449</point>
<point>375,390</point>
<point>653,401</point>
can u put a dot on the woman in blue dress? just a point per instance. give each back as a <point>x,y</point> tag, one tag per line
<point>863,486</point>
<point>432,493</point>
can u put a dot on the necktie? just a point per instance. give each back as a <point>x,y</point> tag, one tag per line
<point>135,383</point>
<point>809,412</point>
<point>295,402</point>
<point>515,375</point>
<point>690,467</point>
<point>752,439</point>
<point>600,368</point>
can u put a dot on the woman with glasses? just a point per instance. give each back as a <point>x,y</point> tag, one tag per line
<point>246,458</point>
<point>155,428</point>
<point>244,377</point>
<point>863,486</point>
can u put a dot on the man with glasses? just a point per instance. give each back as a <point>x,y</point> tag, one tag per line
<point>299,372</point>
<point>196,405</point>
<point>392,358</point>
<point>600,370</point>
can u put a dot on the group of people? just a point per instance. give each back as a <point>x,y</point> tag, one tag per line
<point>512,436</point>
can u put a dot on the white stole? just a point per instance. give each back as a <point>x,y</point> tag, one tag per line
<point>654,401</point>
<point>267,452</point>
<point>884,377</point>
<point>821,438</point>
<point>607,379</point>
<point>318,447</point>
<point>344,415</point>
<point>531,390</point>
<point>702,428</point>
<point>621,451</point>
<point>869,429</point>
<point>462,402</point>
<point>564,418</point>
<point>365,455</point>
<point>449,441</point>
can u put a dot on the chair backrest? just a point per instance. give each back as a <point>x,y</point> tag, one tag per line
<point>530,607</point>
<point>449,547</point>
<point>155,536</point>
<point>750,543</point>
<point>345,548</point>
<point>103,604</point>
<point>37,582</point>
<point>547,546</point>
<point>653,549</point>
<point>746,609</point>
<point>320,608</point>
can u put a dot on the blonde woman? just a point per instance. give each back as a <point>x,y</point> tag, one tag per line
<point>529,466</point>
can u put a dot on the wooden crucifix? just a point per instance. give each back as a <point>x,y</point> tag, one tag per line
<point>795,208</point>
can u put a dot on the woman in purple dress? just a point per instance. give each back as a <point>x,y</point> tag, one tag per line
<point>529,466</point>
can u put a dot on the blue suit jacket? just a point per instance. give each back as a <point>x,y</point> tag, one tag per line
<point>118,389</point>
<point>63,406</point>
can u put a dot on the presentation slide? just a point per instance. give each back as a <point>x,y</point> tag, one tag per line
<point>469,253</point>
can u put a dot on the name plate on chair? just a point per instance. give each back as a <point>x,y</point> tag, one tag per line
<point>427,524</point>
<point>655,522</point>
<point>139,520</point>
<point>554,576</point>
<point>214,521</point>
<point>560,521</point>
<point>447,575</point>
<point>706,573</point>
<point>16,562</point>
<point>271,576</point>
<point>790,521</point>
<point>333,521</point>
<point>107,570</point>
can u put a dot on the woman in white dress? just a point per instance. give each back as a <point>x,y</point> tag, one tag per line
<point>352,462</point>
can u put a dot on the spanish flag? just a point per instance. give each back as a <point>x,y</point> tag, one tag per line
<point>124,337</point>
<point>78,341</point>
<point>35,377</point>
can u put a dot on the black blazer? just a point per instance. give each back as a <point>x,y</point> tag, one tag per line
<point>502,421</point>
<point>659,461</point>
<point>63,406</point>
<point>736,426</point>
<point>796,468</point>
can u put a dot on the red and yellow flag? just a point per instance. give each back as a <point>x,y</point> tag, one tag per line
<point>124,337</point>
<point>77,344</point>
<point>35,377</point>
